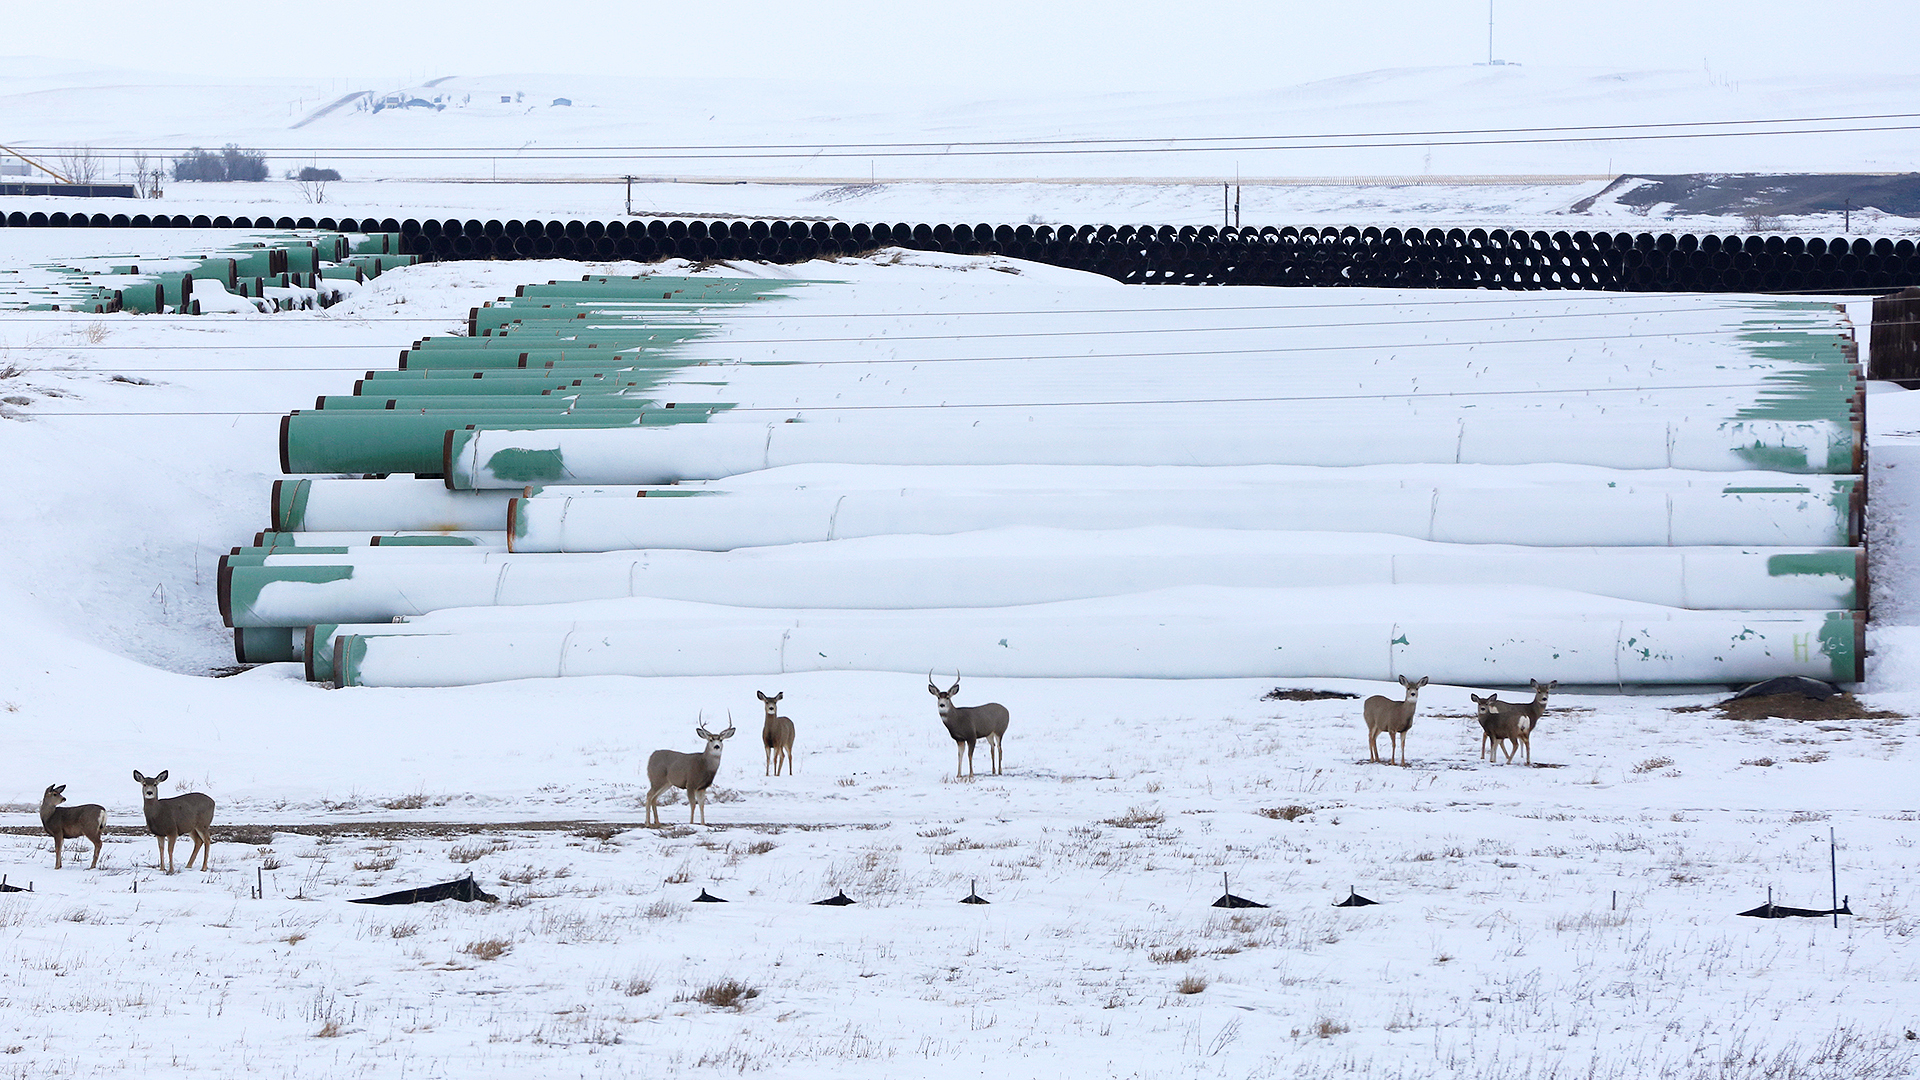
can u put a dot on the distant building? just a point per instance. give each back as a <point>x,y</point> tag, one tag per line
<point>562,101</point>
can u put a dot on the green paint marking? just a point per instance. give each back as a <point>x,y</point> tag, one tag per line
<point>527,466</point>
<point>1766,491</point>
<point>1841,564</point>
<point>1774,458</point>
<point>1401,640</point>
<point>1836,644</point>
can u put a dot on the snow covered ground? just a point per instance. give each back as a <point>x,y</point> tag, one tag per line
<point>1572,918</point>
<point>1414,146</point>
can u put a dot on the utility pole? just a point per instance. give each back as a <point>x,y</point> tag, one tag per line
<point>629,196</point>
<point>1846,217</point>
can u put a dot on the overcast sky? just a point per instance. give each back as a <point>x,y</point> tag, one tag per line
<point>1229,45</point>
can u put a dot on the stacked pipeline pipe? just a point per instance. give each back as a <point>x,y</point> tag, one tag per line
<point>203,272</point>
<point>568,513</point>
<point>1392,256</point>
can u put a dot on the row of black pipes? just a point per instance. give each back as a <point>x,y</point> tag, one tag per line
<point>1190,255</point>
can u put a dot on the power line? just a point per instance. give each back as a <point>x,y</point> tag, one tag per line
<point>941,148</point>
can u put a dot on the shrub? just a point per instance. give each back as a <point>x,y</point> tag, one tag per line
<point>230,163</point>
<point>308,172</point>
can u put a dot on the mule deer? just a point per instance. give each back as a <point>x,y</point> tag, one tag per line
<point>694,772</point>
<point>1486,711</point>
<point>1511,723</point>
<point>169,819</point>
<point>65,823</point>
<point>776,735</point>
<point>970,724</point>
<point>1392,717</point>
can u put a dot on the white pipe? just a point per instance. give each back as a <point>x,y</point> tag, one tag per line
<point>1658,510</point>
<point>494,459</point>
<point>1006,567</point>
<point>1452,634</point>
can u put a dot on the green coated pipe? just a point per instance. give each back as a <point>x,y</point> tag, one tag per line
<point>664,286</point>
<point>484,403</point>
<point>267,644</point>
<point>385,441</point>
<point>500,381</point>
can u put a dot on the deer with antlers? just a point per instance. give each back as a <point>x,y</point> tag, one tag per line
<point>969,724</point>
<point>692,772</point>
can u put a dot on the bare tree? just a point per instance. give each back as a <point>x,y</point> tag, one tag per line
<point>80,164</point>
<point>140,169</point>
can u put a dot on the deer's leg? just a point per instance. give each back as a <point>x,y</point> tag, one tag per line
<point>206,849</point>
<point>57,841</point>
<point>162,841</point>
<point>97,845</point>
<point>1373,743</point>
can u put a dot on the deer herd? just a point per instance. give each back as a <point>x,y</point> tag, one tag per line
<point>1504,725</point>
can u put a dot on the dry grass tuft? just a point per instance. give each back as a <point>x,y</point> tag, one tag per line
<point>488,948</point>
<point>1326,1028</point>
<point>725,994</point>
<point>1139,817</point>
<point>328,1030</point>
<point>1178,955</point>
<point>1192,984</point>
<point>1285,813</point>
<point>1654,764</point>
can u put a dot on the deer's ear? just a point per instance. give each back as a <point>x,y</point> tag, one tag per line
<point>137,778</point>
<point>760,695</point>
<point>956,688</point>
<point>58,790</point>
<point>779,695</point>
<point>162,776</point>
<point>932,689</point>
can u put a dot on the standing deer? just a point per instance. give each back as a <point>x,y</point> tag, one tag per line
<point>693,772</point>
<point>1392,717</point>
<point>1487,713</point>
<point>776,735</point>
<point>1511,723</point>
<point>169,819</point>
<point>971,724</point>
<point>71,822</point>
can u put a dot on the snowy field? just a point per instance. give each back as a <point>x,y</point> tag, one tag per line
<point>1511,146</point>
<point>1576,918</point>
<point>1572,918</point>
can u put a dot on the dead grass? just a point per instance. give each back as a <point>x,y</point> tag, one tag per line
<point>1139,817</point>
<point>1285,813</point>
<point>725,994</point>
<point>487,948</point>
<point>328,1030</point>
<point>1178,955</point>
<point>1191,984</point>
<point>1653,764</point>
